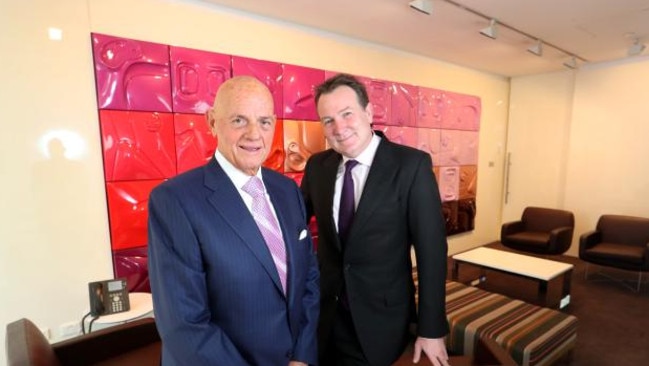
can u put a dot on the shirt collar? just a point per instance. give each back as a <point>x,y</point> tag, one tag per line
<point>366,156</point>
<point>237,177</point>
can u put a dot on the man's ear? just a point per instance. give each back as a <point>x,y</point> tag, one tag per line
<point>369,109</point>
<point>211,121</point>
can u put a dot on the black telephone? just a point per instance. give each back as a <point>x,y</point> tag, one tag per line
<point>108,297</point>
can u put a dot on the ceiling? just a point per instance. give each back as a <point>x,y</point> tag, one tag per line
<point>593,30</point>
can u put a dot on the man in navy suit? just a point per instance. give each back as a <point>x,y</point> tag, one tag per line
<point>367,287</point>
<point>224,292</point>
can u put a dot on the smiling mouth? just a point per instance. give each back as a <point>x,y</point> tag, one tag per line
<point>251,149</point>
<point>343,139</point>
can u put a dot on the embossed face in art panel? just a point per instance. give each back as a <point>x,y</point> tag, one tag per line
<point>301,140</point>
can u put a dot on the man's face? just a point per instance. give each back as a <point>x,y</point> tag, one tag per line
<point>243,121</point>
<point>347,125</point>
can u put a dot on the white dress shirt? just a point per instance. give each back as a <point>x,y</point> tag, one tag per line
<point>359,174</point>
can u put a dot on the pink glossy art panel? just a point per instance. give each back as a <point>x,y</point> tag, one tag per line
<point>430,141</point>
<point>401,135</point>
<point>137,145</point>
<point>431,107</point>
<point>133,265</point>
<point>195,77</point>
<point>460,112</point>
<point>405,104</point>
<point>299,92</point>
<point>131,75</point>
<point>270,73</point>
<point>152,100</point>
<point>128,212</point>
<point>195,144</point>
<point>379,93</point>
<point>458,148</point>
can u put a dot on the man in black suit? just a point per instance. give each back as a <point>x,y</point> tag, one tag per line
<point>367,290</point>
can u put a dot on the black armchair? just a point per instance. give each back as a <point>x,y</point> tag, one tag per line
<point>540,230</point>
<point>618,241</point>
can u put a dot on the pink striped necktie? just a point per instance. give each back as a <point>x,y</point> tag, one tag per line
<point>268,225</point>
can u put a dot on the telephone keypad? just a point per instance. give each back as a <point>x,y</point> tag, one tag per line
<point>117,304</point>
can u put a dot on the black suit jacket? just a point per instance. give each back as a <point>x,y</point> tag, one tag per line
<point>400,206</point>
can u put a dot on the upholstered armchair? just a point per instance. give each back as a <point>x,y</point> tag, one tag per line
<point>540,230</point>
<point>618,241</point>
<point>133,343</point>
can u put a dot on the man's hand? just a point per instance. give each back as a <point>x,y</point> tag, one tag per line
<point>297,363</point>
<point>434,348</point>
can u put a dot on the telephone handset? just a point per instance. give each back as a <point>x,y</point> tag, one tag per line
<point>108,297</point>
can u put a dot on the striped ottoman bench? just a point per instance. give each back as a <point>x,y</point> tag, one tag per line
<point>532,335</point>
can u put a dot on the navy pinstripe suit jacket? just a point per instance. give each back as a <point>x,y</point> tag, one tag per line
<point>216,293</point>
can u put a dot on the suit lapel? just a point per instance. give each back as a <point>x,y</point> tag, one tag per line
<point>328,182</point>
<point>227,201</point>
<point>383,168</point>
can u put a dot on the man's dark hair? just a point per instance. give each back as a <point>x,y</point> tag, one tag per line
<point>343,80</point>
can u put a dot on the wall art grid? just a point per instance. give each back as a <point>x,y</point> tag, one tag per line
<point>152,99</point>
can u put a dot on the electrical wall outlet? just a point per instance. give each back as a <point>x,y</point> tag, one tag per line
<point>70,329</point>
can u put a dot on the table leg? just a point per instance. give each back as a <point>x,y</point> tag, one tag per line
<point>565,293</point>
<point>456,269</point>
<point>543,293</point>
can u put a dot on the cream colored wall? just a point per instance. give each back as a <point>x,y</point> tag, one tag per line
<point>53,222</point>
<point>538,136</point>
<point>607,171</point>
<point>579,142</point>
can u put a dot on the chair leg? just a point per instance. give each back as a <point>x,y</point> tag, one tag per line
<point>586,271</point>
<point>639,281</point>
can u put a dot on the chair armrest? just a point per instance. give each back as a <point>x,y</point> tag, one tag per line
<point>588,239</point>
<point>107,343</point>
<point>560,239</point>
<point>509,228</point>
<point>26,345</point>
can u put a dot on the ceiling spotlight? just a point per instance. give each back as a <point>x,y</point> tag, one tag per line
<point>572,63</point>
<point>491,31</point>
<point>537,48</point>
<point>424,6</point>
<point>636,48</point>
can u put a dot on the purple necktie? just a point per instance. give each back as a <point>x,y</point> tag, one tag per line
<point>268,225</point>
<point>347,204</point>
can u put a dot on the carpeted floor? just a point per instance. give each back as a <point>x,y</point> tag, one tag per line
<point>613,320</point>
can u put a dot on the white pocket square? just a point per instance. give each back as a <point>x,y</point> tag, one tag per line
<point>302,234</point>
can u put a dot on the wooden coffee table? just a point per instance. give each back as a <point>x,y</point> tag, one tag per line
<point>538,269</point>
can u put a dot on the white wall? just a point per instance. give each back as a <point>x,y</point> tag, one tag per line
<point>579,142</point>
<point>53,218</point>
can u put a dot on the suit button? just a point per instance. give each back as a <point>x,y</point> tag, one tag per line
<point>289,354</point>
<point>347,266</point>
